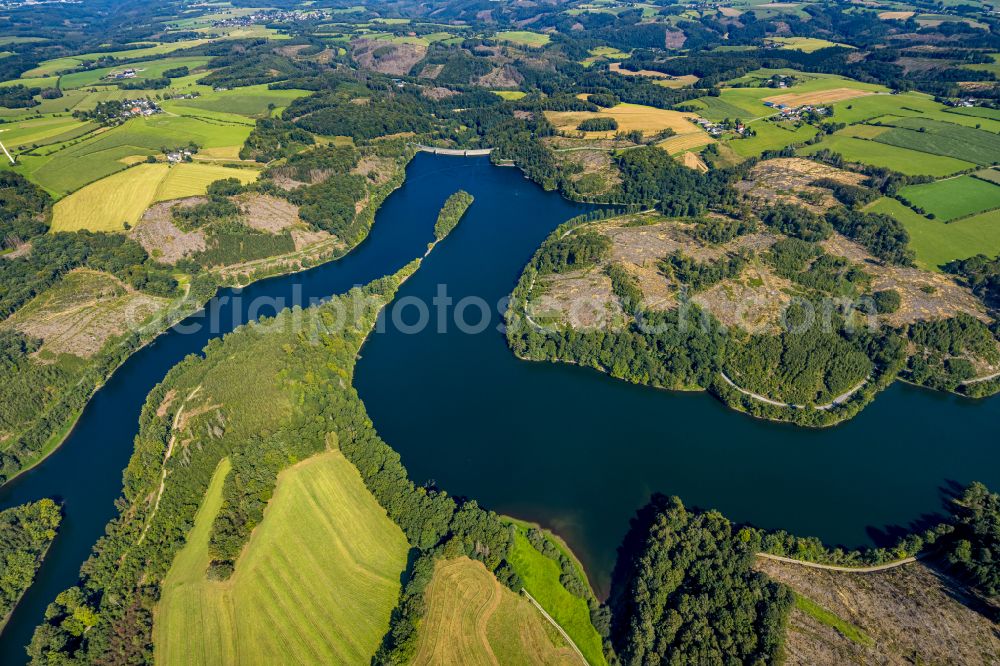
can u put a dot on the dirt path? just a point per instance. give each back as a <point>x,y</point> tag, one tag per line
<point>840,399</point>
<point>166,457</point>
<point>981,379</point>
<point>832,567</point>
<point>555,624</point>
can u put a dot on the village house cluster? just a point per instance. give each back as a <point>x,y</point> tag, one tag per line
<point>138,107</point>
<point>273,16</point>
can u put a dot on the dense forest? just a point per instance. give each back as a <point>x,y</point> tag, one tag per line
<point>687,594</point>
<point>26,532</point>
<point>451,213</point>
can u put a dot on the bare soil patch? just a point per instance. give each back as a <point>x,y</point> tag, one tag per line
<point>913,614</point>
<point>505,76</point>
<point>266,213</point>
<point>431,71</point>
<point>378,170</point>
<point>946,298</point>
<point>581,299</point>
<point>693,161</point>
<point>438,93</point>
<point>387,57</point>
<point>674,39</point>
<point>753,302</point>
<point>162,239</point>
<point>788,179</point>
<point>81,312</point>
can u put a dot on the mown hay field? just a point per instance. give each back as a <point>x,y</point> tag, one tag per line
<point>682,142</point>
<point>122,198</point>
<point>43,130</point>
<point>472,619</point>
<point>936,242</point>
<point>647,119</point>
<point>954,197</point>
<point>904,160</point>
<point>331,607</point>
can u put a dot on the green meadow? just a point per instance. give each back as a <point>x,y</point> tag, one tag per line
<point>903,160</point>
<point>936,242</point>
<point>541,578</point>
<point>250,101</point>
<point>954,197</point>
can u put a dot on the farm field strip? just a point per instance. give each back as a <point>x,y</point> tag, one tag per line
<point>335,608</point>
<point>904,160</point>
<point>111,203</point>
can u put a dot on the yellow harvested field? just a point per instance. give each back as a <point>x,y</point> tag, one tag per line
<point>219,153</point>
<point>316,583</point>
<point>630,117</point>
<point>895,16</point>
<point>682,142</point>
<point>617,68</point>
<point>731,12</point>
<point>677,81</point>
<point>471,619</point>
<point>818,97</point>
<point>190,179</point>
<point>121,198</point>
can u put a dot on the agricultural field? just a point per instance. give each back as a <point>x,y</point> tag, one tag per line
<point>333,608</point>
<point>509,94</point>
<point>904,160</point>
<point>81,312</point>
<point>953,198</point>
<point>942,138</point>
<point>523,38</point>
<point>39,131</point>
<point>249,101</point>
<point>804,44</point>
<point>748,103</point>
<point>472,619</point>
<point>935,242</point>
<point>55,65</point>
<point>120,199</point>
<point>647,119</point>
<point>149,69</point>
<point>541,578</point>
<point>66,167</point>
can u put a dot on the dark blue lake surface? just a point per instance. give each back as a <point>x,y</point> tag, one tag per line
<point>561,445</point>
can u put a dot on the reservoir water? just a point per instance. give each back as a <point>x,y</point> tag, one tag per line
<point>557,444</point>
